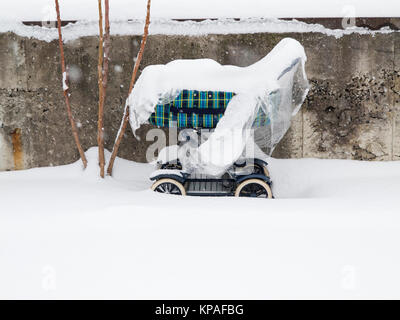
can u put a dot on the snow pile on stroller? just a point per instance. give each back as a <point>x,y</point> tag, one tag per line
<point>256,105</point>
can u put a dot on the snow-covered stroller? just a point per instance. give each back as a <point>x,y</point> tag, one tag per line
<point>244,111</point>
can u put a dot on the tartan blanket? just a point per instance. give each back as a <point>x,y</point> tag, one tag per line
<point>196,109</point>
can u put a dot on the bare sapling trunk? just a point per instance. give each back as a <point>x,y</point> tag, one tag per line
<point>66,89</point>
<point>106,62</point>
<point>102,70</point>
<point>100,84</point>
<point>125,119</point>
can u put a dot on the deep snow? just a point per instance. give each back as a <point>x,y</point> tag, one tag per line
<point>332,232</point>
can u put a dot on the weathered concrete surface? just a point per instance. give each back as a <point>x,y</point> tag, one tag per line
<point>396,109</point>
<point>351,112</point>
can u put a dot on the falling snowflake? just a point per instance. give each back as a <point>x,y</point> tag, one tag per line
<point>118,68</point>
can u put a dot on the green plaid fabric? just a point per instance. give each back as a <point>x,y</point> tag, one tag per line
<point>196,109</point>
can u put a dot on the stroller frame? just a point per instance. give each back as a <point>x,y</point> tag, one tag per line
<point>227,185</point>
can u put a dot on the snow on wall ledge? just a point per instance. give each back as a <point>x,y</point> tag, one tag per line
<point>172,27</point>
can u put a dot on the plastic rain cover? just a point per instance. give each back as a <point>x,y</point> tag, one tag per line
<point>276,86</point>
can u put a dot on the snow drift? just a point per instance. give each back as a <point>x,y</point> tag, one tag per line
<point>114,238</point>
<point>276,85</point>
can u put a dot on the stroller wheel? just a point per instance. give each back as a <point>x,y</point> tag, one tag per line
<point>169,186</point>
<point>254,188</point>
<point>265,170</point>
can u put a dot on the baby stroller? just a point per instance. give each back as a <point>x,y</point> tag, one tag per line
<point>243,112</point>
<point>201,111</point>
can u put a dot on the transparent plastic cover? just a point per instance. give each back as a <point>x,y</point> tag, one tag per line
<point>275,86</point>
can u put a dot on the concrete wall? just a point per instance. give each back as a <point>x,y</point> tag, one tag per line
<point>352,111</point>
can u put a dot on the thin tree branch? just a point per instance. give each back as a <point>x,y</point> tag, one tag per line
<point>107,47</point>
<point>66,89</point>
<point>126,111</point>
<point>100,130</point>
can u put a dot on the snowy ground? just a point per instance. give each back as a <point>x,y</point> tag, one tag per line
<point>332,232</point>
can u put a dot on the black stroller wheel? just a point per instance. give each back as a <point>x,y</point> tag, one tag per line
<point>169,186</point>
<point>254,188</point>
